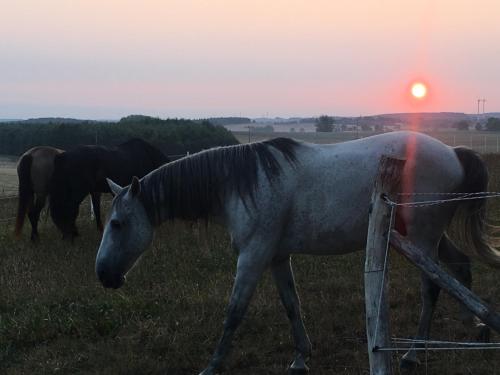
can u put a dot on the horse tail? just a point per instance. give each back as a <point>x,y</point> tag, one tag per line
<point>25,191</point>
<point>473,230</point>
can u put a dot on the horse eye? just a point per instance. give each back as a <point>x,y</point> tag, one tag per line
<point>115,224</point>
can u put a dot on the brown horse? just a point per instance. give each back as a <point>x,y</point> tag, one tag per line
<point>34,170</point>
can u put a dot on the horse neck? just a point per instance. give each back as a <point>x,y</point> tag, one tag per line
<point>197,186</point>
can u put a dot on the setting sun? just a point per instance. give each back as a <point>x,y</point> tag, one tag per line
<point>418,90</point>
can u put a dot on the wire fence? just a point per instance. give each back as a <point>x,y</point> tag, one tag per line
<point>425,344</point>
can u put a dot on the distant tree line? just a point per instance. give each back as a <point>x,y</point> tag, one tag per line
<point>324,123</point>
<point>172,136</point>
<point>493,124</point>
<point>229,120</point>
<point>462,125</point>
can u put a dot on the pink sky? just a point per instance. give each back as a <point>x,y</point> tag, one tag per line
<point>107,59</point>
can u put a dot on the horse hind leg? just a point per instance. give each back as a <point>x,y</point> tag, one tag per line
<point>34,216</point>
<point>429,295</point>
<point>460,267</point>
<point>283,276</point>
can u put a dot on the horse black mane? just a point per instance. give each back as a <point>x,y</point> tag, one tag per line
<point>194,187</point>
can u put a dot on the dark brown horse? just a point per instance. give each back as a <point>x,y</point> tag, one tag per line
<point>84,170</point>
<point>34,170</point>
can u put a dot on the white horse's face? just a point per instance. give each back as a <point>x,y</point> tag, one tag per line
<point>127,235</point>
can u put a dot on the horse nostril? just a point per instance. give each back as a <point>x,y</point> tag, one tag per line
<point>100,272</point>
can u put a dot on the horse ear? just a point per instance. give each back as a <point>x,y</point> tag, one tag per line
<point>135,186</point>
<point>115,188</point>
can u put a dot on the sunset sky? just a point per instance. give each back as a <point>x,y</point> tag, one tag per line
<point>109,58</point>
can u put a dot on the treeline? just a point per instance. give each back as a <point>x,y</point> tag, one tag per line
<point>493,124</point>
<point>229,120</point>
<point>172,136</point>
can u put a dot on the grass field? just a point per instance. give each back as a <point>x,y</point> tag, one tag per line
<point>56,318</point>
<point>8,176</point>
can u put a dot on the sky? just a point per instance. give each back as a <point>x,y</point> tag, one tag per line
<point>104,59</point>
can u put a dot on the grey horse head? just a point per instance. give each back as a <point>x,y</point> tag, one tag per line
<point>126,236</point>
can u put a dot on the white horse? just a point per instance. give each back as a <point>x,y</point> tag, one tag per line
<point>281,197</point>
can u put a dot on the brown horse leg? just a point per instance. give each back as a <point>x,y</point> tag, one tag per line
<point>34,216</point>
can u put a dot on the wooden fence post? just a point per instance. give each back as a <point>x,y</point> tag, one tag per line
<point>377,310</point>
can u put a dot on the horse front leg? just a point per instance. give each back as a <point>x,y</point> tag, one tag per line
<point>285,282</point>
<point>96,206</point>
<point>249,270</point>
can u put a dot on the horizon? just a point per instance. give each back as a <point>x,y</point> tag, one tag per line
<point>192,59</point>
<point>482,115</point>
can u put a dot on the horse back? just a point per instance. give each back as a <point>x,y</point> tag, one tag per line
<point>90,165</point>
<point>322,203</point>
<point>41,167</point>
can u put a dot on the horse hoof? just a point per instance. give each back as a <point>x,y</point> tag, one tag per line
<point>298,367</point>
<point>298,371</point>
<point>484,334</point>
<point>407,366</point>
<point>208,371</point>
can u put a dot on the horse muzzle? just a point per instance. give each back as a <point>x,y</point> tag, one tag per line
<point>109,279</point>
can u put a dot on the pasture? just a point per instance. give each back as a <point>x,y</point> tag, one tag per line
<point>56,318</point>
<point>8,176</point>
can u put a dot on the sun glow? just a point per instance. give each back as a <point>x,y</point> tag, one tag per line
<point>418,90</point>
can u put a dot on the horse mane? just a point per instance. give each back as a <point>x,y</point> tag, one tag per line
<point>194,187</point>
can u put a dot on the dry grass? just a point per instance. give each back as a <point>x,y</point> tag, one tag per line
<point>8,176</point>
<point>56,318</point>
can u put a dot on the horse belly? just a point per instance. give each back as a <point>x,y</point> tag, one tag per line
<point>327,231</point>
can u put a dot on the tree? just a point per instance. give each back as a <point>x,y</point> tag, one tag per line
<point>462,125</point>
<point>493,124</point>
<point>324,123</point>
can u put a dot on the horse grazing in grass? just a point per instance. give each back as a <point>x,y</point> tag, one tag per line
<point>84,170</point>
<point>34,170</point>
<point>281,197</point>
